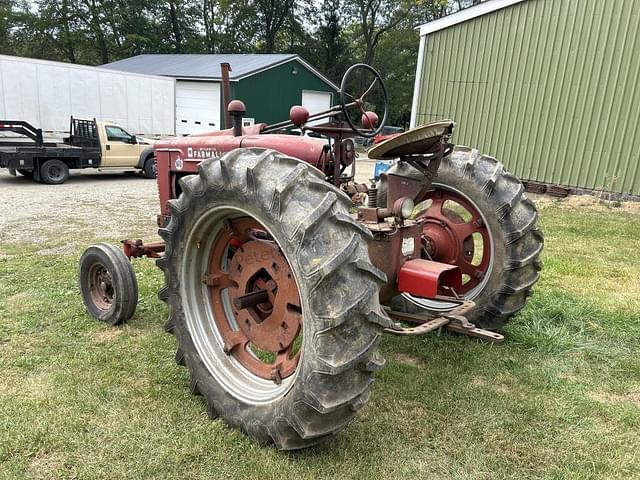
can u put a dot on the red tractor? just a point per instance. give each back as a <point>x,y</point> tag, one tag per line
<point>280,278</point>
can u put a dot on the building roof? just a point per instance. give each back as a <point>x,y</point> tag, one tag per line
<point>465,15</point>
<point>207,66</point>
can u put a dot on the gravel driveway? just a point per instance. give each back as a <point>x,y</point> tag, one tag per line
<point>91,206</point>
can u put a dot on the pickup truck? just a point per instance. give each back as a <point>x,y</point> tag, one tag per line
<point>91,144</point>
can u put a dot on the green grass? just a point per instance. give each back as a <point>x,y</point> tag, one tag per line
<point>559,399</point>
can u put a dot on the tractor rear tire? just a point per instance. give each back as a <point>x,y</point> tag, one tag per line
<point>308,221</point>
<point>108,284</point>
<point>54,172</point>
<point>511,219</point>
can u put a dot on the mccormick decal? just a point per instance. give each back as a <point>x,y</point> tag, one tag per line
<point>202,153</point>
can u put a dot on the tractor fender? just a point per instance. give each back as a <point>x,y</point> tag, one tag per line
<point>144,155</point>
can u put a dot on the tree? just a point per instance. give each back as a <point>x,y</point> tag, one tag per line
<point>331,42</point>
<point>6,18</point>
<point>376,17</point>
<point>272,15</point>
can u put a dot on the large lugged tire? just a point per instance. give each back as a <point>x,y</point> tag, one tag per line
<point>308,222</point>
<point>511,222</point>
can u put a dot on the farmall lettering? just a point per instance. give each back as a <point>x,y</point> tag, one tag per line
<point>201,153</point>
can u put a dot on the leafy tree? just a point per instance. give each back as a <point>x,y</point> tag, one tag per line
<point>272,15</point>
<point>331,34</point>
<point>6,19</point>
<point>333,55</point>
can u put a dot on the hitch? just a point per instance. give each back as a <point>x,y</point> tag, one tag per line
<point>454,321</point>
<point>137,249</point>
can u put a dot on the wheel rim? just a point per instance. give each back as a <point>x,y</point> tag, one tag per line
<point>250,342</point>
<point>455,232</point>
<point>101,287</point>
<point>55,172</point>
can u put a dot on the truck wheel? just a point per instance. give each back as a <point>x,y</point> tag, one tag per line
<point>150,168</point>
<point>108,284</point>
<point>272,297</point>
<point>25,173</point>
<point>54,172</point>
<point>478,217</point>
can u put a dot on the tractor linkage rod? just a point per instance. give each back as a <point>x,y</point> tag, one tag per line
<point>454,321</point>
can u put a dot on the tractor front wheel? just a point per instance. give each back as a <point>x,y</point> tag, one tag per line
<point>108,284</point>
<point>272,297</point>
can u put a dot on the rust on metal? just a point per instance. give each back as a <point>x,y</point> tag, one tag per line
<point>386,251</point>
<point>137,248</point>
<point>454,321</point>
<point>255,300</point>
<point>251,299</point>
<point>101,287</point>
<point>225,68</point>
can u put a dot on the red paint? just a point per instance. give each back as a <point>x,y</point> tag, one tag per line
<point>236,106</point>
<point>424,278</point>
<point>369,120</point>
<point>181,156</point>
<point>298,115</point>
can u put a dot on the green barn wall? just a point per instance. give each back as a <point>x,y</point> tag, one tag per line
<point>270,94</point>
<point>551,88</point>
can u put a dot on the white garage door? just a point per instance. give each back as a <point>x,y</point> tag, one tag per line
<point>197,107</point>
<point>316,102</point>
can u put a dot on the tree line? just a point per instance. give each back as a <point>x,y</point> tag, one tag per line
<point>330,34</point>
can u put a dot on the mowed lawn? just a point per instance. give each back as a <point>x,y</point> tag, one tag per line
<point>560,398</point>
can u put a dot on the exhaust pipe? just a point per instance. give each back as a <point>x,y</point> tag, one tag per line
<point>225,68</point>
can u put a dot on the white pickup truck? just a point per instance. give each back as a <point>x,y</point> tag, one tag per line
<point>91,144</point>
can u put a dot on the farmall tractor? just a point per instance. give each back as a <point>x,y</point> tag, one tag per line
<point>281,273</point>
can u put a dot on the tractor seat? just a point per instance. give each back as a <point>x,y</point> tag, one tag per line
<point>412,142</point>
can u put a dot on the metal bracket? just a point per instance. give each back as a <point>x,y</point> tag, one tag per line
<point>454,321</point>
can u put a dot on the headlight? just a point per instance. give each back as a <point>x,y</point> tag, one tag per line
<point>407,208</point>
<point>403,207</point>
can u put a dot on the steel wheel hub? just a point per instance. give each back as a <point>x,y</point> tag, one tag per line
<point>101,287</point>
<point>248,271</point>
<point>455,232</point>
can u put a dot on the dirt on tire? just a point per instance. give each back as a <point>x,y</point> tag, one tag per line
<point>338,285</point>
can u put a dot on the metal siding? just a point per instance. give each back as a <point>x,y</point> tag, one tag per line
<point>190,65</point>
<point>270,94</point>
<point>549,87</point>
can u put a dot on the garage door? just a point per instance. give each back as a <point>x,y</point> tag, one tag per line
<point>197,107</point>
<point>316,102</point>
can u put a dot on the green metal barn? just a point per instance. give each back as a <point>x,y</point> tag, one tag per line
<point>269,84</point>
<point>549,87</point>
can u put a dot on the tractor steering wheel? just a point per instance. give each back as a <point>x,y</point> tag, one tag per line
<point>348,101</point>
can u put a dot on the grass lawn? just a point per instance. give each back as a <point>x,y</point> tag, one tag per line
<point>559,399</point>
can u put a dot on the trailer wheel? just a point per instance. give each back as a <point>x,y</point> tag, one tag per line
<point>25,173</point>
<point>478,217</point>
<point>54,172</point>
<point>108,284</point>
<point>150,168</point>
<point>272,297</point>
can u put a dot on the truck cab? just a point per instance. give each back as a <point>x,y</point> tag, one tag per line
<point>119,148</point>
